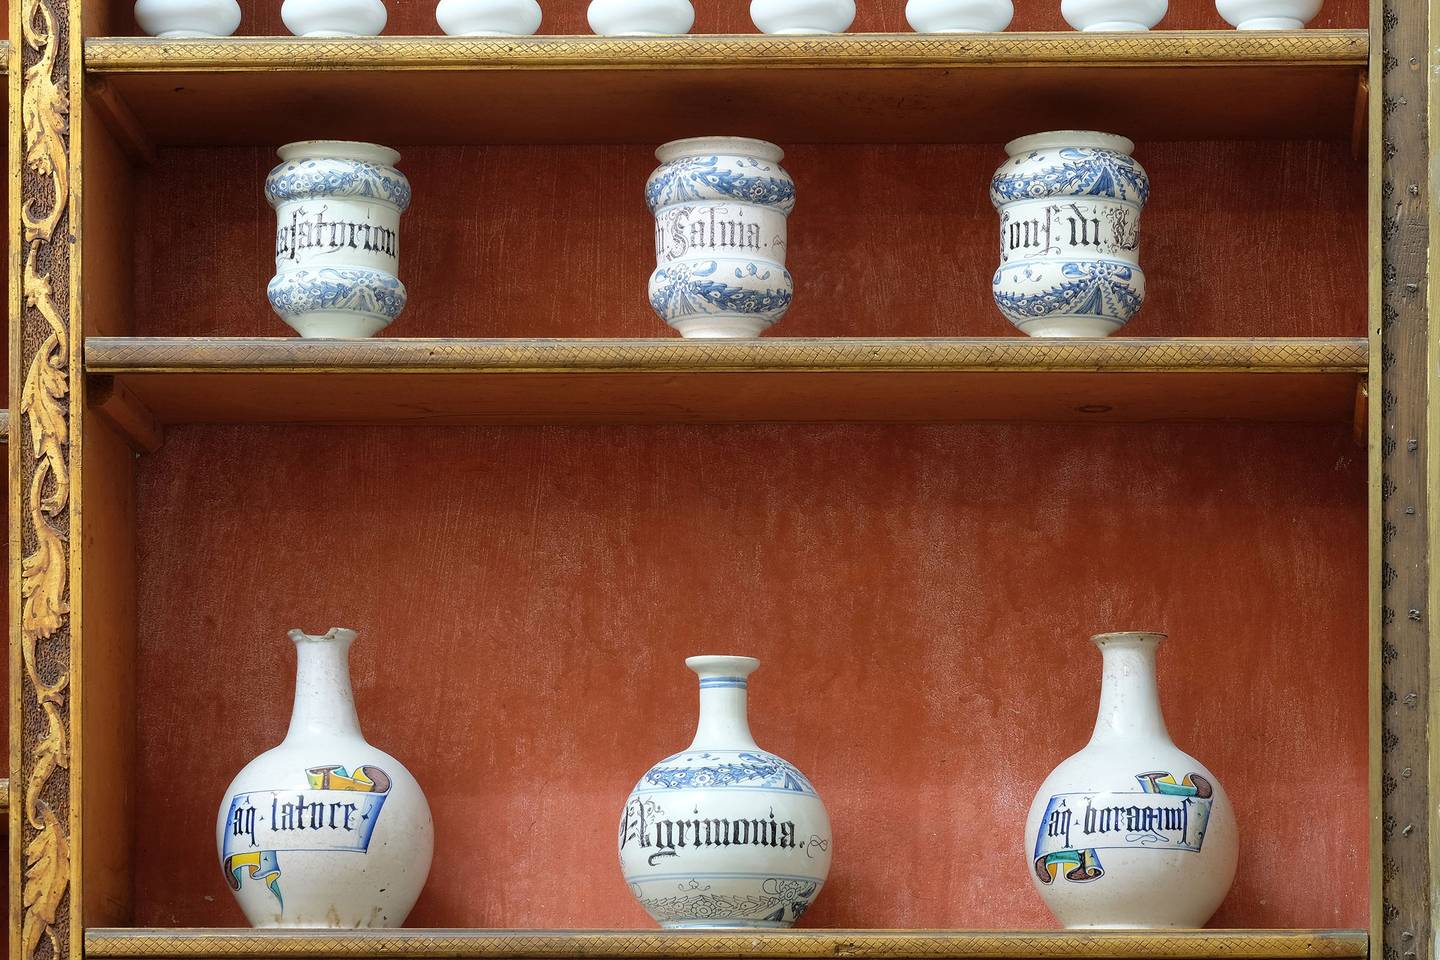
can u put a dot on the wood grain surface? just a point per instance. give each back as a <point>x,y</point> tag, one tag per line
<point>262,17</point>
<point>920,598</point>
<point>1239,239</point>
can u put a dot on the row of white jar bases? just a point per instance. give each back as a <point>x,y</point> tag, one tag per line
<point>325,830</point>
<point>1069,204</point>
<point>618,18</point>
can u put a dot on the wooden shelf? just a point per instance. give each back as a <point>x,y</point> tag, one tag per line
<point>790,944</point>
<point>165,381</point>
<point>858,88</point>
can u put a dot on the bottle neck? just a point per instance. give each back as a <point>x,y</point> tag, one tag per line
<point>724,724</point>
<point>324,703</point>
<point>1129,695</point>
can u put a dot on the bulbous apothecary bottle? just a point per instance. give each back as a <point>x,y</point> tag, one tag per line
<point>724,834</point>
<point>324,830</point>
<point>1131,832</point>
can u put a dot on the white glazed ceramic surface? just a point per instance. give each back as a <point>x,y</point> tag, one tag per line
<point>720,206</point>
<point>802,16</point>
<point>959,16</point>
<point>724,834</point>
<point>337,246</point>
<point>1268,14</point>
<point>640,18</point>
<point>1113,15</point>
<point>324,830</point>
<point>1069,204</point>
<point>334,18</point>
<point>169,19</point>
<point>488,18</point>
<point>1131,832</point>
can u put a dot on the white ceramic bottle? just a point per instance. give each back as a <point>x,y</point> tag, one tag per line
<point>1268,14</point>
<point>959,16</point>
<point>488,18</point>
<point>324,830</point>
<point>1113,15</point>
<point>640,18</point>
<point>720,206</point>
<point>337,242</point>
<point>334,18</point>
<point>802,16</point>
<point>1131,832</point>
<point>170,19</point>
<point>724,834</point>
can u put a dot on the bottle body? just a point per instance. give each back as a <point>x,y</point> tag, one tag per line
<point>724,835</point>
<point>324,830</point>
<point>1131,832</point>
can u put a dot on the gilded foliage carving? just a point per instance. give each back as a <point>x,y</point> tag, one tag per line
<point>44,405</point>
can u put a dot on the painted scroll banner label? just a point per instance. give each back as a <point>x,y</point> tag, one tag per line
<point>1162,815</point>
<point>336,815</point>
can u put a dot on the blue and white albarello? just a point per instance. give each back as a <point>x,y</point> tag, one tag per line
<point>1069,204</point>
<point>337,239</point>
<point>720,205</point>
<point>724,834</point>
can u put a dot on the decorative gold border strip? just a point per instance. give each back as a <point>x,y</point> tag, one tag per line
<point>1177,48</point>
<point>114,355</point>
<point>44,922</point>
<point>790,944</point>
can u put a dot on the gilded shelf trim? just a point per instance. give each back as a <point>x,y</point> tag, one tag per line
<point>114,355</point>
<point>1178,48</point>
<point>793,944</point>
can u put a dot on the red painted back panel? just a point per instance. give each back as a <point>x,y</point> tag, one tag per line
<point>1239,239</point>
<point>920,597</point>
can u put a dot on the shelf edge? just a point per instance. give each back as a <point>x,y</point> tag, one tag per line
<point>1179,48</point>
<point>792,944</point>
<point>126,355</point>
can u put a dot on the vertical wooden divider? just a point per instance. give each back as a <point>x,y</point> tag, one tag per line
<point>107,549</point>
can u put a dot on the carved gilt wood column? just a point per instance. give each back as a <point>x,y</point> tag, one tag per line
<point>44,371</point>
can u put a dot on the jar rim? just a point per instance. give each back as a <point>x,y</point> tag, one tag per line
<point>1070,138</point>
<point>340,150</point>
<point>700,146</point>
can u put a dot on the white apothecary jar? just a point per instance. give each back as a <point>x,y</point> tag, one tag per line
<point>488,18</point>
<point>959,16</point>
<point>172,19</point>
<point>1069,204</point>
<point>1113,15</point>
<point>334,18</point>
<point>1268,14</point>
<point>337,242</point>
<point>720,206</point>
